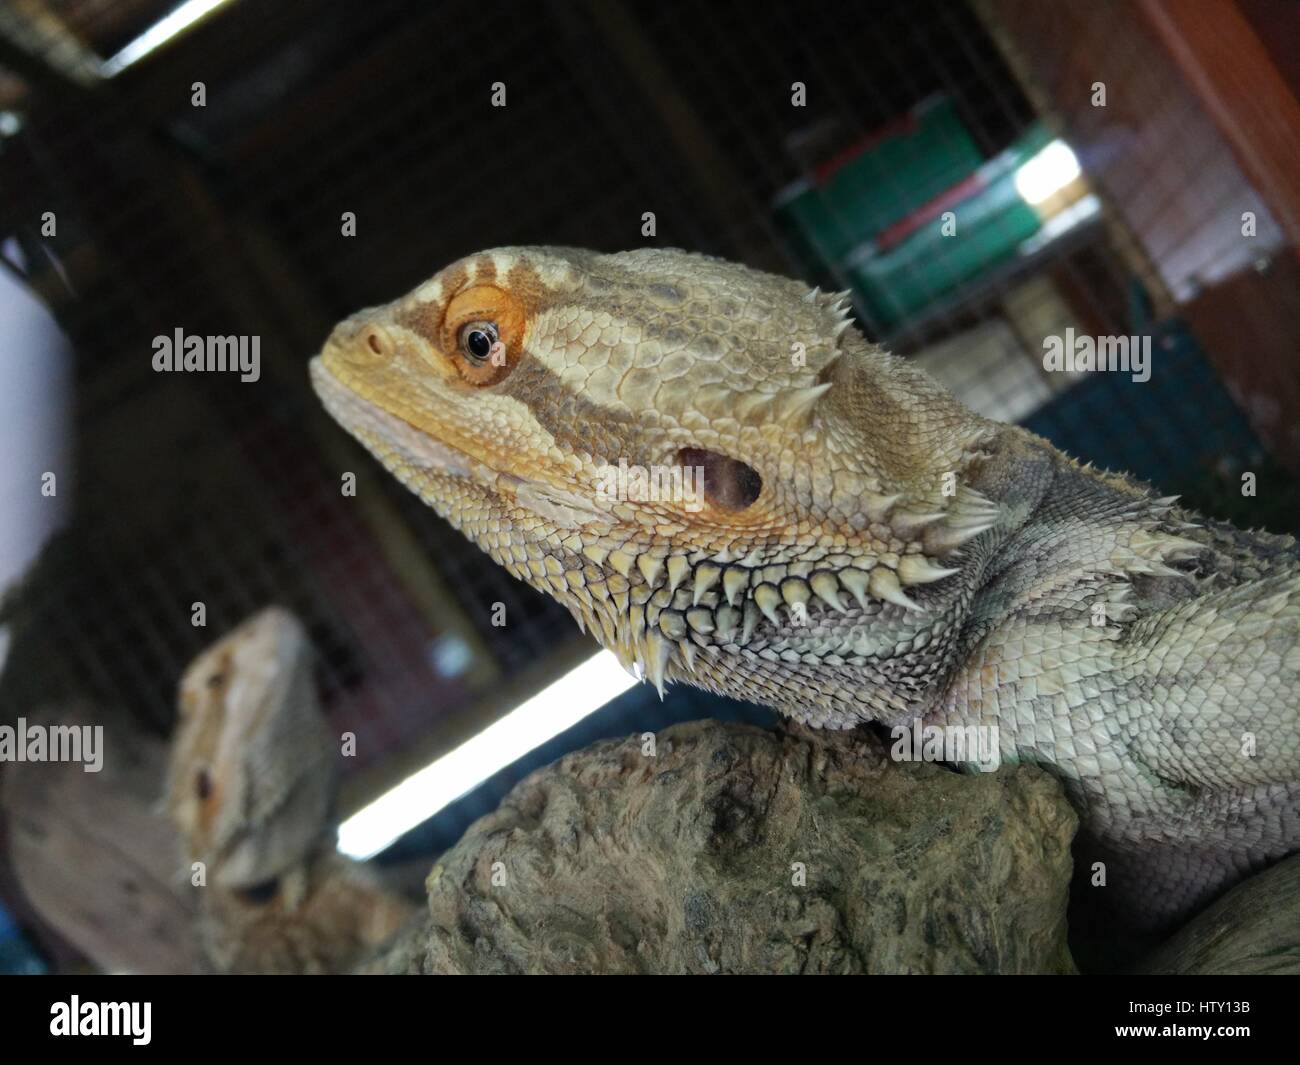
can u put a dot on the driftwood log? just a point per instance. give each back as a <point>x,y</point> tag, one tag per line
<point>101,864</point>
<point>735,849</point>
<point>719,848</point>
<point>1253,929</point>
<point>94,855</point>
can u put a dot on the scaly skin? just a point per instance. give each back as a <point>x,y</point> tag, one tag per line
<point>250,786</point>
<point>251,778</point>
<point>902,559</point>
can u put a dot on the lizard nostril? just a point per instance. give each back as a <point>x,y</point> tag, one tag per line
<point>363,343</point>
<point>378,342</point>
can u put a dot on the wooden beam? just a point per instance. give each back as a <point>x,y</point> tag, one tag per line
<point>1240,88</point>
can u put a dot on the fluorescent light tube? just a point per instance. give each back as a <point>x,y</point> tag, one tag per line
<point>175,22</point>
<point>564,703</point>
<point>1045,174</point>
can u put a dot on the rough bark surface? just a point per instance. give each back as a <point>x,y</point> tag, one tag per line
<point>92,854</point>
<point>687,861</point>
<point>1253,929</point>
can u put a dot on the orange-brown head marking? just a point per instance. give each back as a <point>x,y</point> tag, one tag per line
<point>483,333</point>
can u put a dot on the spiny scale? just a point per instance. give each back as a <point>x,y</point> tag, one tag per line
<point>720,600</point>
<point>677,605</point>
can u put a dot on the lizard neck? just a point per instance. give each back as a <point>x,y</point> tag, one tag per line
<point>873,662</point>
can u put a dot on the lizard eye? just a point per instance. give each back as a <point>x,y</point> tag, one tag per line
<point>477,339</point>
<point>262,893</point>
<point>483,334</point>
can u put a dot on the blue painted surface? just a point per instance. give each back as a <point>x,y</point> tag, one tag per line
<point>17,955</point>
<point>1169,431</point>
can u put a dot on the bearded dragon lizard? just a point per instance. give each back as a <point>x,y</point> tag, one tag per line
<point>866,549</point>
<point>250,786</point>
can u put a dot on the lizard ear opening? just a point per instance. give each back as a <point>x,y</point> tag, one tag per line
<point>728,483</point>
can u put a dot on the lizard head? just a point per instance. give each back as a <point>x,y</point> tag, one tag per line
<point>250,777</point>
<point>700,460</point>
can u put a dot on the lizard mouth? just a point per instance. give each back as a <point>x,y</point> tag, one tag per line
<point>395,441</point>
<point>403,448</point>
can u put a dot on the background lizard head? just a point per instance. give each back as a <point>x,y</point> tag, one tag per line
<point>251,776</point>
<point>698,459</point>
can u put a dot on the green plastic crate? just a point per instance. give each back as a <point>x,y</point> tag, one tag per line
<point>992,222</point>
<point>884,180</point>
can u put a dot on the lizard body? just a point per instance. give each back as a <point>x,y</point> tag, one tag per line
<point>864,548</point>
